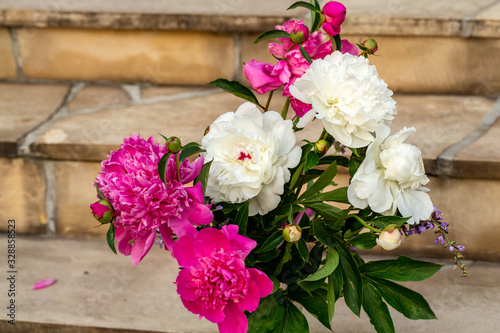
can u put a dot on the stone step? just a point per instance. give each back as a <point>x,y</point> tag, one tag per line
<point>447,47</point>
<point>97,291</point>
<point>53,137</point>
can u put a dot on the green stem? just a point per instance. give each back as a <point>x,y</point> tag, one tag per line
<point>284,112</point>
<point>177,164</point>
<point>269,100</point>
<point>345,214</point>
<point>366,225</point>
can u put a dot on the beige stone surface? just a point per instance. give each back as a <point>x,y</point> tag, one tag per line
<point>23,107</point>
<point>74,185</point>
<point>96,288</point>
<point>7,61</point>
<point>95,96</point>
<point>22,195</point>
<point>490,13</point>
<point>154,92</point>
<point>145,56</point>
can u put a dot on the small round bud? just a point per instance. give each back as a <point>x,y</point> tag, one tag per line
<point>371,45</point>
<point>321,146</point>
<point>390,238</point>
<point>299,34</point>
<point>102,211</point>
<point>173,145</point>
<point>292,233</point>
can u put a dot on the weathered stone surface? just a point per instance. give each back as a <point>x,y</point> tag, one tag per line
<point>96,288</point>
<point>74,186</point>
<point>22,195</point>
<point>145,56</point>
<point>7,61</point>
<point>170,91</point>
<point>22,108</point>
<point>94,96</point>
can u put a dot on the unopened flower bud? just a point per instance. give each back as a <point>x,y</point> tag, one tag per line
<point>371,46</point>
<point>334,13</point>
<point>321,146</point>
<point>390,238</point>
<point>102,211</point>
<point>173,145</point>
<point>292,233</point>
<point>299,34</point>
<point>207,130</point>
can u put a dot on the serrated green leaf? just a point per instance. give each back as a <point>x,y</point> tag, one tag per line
<point>237,89</point>
<point>323,181</point>
<point>241,218</point>
<point>272,242</point>
<point>376,309</point>
<point>305,5</point>
<point>401,269</point>
<point>305,54</point>
<point>270,312</point>
<point>313,303</point>
<point>410,303</point>
<point>364,241</point>
<point>203,176</point>
<point>162,167</point>
<point>312,160</point>
<point>331,263</point>
<point>272,34</point>
<point>337,195</point>
<point>383,221</point>
<point>110,237</point>
<point>190,149</point>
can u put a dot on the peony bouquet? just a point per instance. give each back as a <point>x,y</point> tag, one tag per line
<point>255,221</point>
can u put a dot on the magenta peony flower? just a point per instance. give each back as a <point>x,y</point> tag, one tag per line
<point>264,77</point>
<point>334,13</point>
<point>214,282</point>
<point>349,48</point>
<point>143,203</point>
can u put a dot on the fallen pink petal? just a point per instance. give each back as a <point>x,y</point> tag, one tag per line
<point>43,283</point>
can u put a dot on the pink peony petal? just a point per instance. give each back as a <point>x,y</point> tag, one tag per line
<point>251,301</point>
<point>141,247</point>
<point>216,236</point>
<point>183,251</point>
<point>189,171</point>
<point>263,281</point>
<point>244,244</point>
<point>235,320</point>
<point>43,283</point>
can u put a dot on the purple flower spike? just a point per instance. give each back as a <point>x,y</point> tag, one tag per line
<point>460,247</point>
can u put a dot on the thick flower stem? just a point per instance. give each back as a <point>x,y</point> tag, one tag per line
<point>366,225</point>
<point>269,100</point>
<point>177,165</point>
<point>284,112</point>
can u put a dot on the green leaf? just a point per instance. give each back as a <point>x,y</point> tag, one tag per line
<point>410,303</point>
<point>312,285</point>
<point>313,303</point>
<point>323,233</point>
<point>352,280</point>
<point>312,160</point>
<point>364,241</point>
<point>337,195</point>
<point>305,5</point>
<point>323,181</point>
<point>294,320</point>
<point>332,261</point>
<point>338,42</point>
<point>325,210</point>
<point>110,237</point>
<point>203,176</point>
<point>99,193</point>
<point>270,312</point>
<point>162,167</point>
<point>383,221</point>
<point>237,89</point>
<point>315,17</point>
<point>241,218</point>
<point>190,149</point>
<point>376,309</point>
<point>267,256</point>
<point>272,242</point>
<point>354,164</point>
<point>305,54</point>
<point>296,176</point>
<point>330,298</point>
<point>340,160</point>
<point>401,269</point>
<point>302,248</point>
<point>272,34</point>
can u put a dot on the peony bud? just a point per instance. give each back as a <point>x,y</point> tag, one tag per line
<point>321,146</point>
<point>292,233</point>
<point>370,45</point>
<point>173,145</point>
<point>299,34</point>
<point>390,238</point>
<point>334,13</point>
<point>102,211</point>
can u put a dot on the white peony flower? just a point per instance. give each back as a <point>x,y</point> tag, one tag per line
<point>250,153</point>
<point>391,178</point>
<point>348,96</point>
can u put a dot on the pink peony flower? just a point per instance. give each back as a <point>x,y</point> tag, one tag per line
<point>349,48</point>
<point>214,282</point>
<point>300,108</point>
<point>334,13</point>
<point>264,77</point>
<point>143,203</point>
